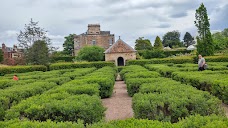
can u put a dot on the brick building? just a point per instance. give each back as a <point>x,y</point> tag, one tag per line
<point>11,55</point>
<point>119,53</point>
<point>93,36</point>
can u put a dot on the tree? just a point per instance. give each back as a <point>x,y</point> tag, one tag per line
<point>38,53</point>
<point>158,43</point>
<point>32,33</point>
<point>142,44</point>
<point>1,55</point>
<point>68,45</point>
<point>91,53</point>
<point>220,40</point>
<point>188,39</point>
<point>205,44</point>
<point>172,39</point>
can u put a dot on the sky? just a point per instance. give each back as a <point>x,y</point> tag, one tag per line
<point>129,19</point>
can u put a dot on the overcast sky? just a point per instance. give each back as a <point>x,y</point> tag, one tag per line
<point>129,19</point>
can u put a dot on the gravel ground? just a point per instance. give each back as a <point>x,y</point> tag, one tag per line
<point>119,104</point>
<point>225,108</point>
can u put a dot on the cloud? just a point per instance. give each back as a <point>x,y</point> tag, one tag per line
<point>129,19</point>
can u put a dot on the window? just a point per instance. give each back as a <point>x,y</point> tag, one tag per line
<point>93,42</point>
<point>110,41</point>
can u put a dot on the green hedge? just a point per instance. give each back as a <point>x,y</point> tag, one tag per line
<point>168,100</point>
<point>13,95</point>
<point>216,58</point>
<point>101,64</point>
<point>62,58</point>
<point>21,69</point>
<point>77,88</point>
<point>37,124</point>
<point>59,107</point>
<point>160,61</point>
<point>196,121</point>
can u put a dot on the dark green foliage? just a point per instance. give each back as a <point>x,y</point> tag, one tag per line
<point>188,39</point>
<point>21,69</point>
<point>1,55</point>
<point>101,64</point>
<point>17,123</point>
<point>142,44</point>
<point>149,54</point>
<point>158,43</point>
<point>68,45</point>
<point>168,100</point>
<point>160,61</point>
<point>62,58</point>
<point>172,39</point>
<point>38,53</point>
<point>14,94</point>
<point>90,53</point>
<point>220,39</point>
<point>205,45</point>
<point>59,107</point>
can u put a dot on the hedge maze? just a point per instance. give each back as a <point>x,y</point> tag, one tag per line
<point>166,95</point>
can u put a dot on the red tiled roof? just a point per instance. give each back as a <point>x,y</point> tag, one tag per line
<point>120,47</point>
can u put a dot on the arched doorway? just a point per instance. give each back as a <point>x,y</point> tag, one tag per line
<point>120,61</point>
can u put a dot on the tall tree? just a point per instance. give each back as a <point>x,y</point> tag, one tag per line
<point>158,43</point>
<point>142,44</point>
<point>172,39</point>
<point>1,55</point>
<point>205,44</point>
<point>68,45</point>
<point>188,39</point>
<point>32,32</point>
<point>38,53</point>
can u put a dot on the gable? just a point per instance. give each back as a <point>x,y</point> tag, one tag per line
<point>120,47</point>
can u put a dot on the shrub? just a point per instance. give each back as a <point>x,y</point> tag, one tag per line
<point>37,124</point>
<point>160,61</point>
<point>21,69</point>
<point>77,88</point>
<point>101,64</point>
<point>62,58</point>
<point>13,95</point>
<point>91,53</point>
<point>59,107</point>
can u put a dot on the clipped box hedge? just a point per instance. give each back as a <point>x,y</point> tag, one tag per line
<point>59,107</point>
<point>168,100</point>
<point>160,61</point>
<point>100,64</point>
<point>16,123</point>
<point>13,95</point>
<point>21,69</point>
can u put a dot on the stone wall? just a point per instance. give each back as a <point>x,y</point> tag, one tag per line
<point>125,56</point>
<point>89,40</point>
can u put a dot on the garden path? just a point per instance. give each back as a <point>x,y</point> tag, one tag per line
<point>225,108</point>
<point>119,104</point>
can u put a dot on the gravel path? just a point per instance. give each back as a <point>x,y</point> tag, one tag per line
<point>225,108</point>
<point>119,105</point>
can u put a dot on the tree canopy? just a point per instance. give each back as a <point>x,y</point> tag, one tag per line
<point>1,55</point>
<point>38,53</point>
<point>90,53</point>
<point>172,39</point>
<point>220,39</point>
<point>188,39</point>
<point>205,44</point>
<point>33,33</point>
<point>158,43</point>
<point>68,45</point>
<point>142,44</point>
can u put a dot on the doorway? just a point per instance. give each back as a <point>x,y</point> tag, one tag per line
<point>120,61</point>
